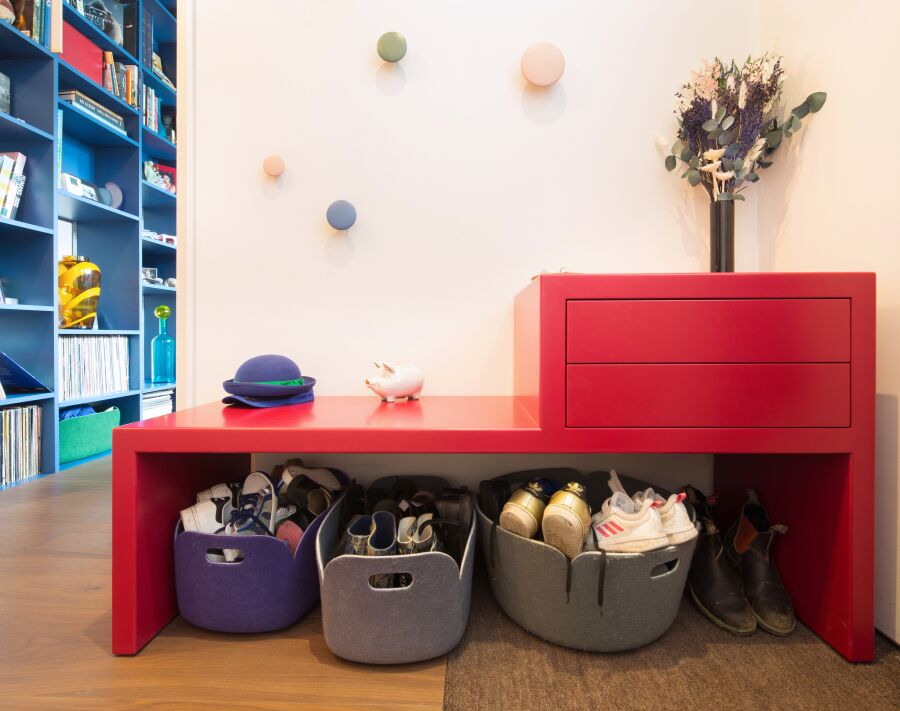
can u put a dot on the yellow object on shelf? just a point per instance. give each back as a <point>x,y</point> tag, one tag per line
<point>79,292</point>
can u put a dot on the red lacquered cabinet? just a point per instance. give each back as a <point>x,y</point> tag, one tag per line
<point>774,374</point>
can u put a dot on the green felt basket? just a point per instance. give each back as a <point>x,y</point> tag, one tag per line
<point>81,437</point>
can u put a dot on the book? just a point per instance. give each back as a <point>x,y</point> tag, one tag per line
<point>16,380</point>
<point>91,366</point>
<point>147,39</point>
<point>59,146</point>
<point>82,54</point>
<point>6,171</point>
<point>97,111</point>
<point>8,198</point>
<point>110,17</point>
<point>19,181</point>
<point>5,93</point>
<point>20,443</point>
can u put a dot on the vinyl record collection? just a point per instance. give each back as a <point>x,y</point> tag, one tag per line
<point>92,365</point>
<point>157,403</point>
<point>20,443</point>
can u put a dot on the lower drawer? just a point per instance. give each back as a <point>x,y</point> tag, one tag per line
<point>708,395</point>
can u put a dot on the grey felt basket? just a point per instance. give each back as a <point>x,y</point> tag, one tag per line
<point>393,625</point>
<point>624,603</point>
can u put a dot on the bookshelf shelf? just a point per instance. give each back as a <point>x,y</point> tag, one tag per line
<point>17,46</point>
<point>98,332</point>
<point>77,462</point>
<point>21,399</point>
<point>156,387</point>
<point>89,130</point>
<point>156,146</point>
<point>96,35</point>
<point>17,226</point>
<point>157,289</point>
<point>14,129</point>
<point>56,135</point>
<point>25,307</point>
<point>79,209</point>
<point>71,78</point>
<point>99,398</point>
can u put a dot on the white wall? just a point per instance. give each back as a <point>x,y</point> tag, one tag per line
<point>466,181</point>
<point>832,206</point>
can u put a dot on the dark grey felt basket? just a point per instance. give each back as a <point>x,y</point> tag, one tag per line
<point>632,604</point>
<point>393,625</point>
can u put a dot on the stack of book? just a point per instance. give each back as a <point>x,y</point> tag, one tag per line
<point>92,365</point>
<point>20,443</point>
<point>121,79</point>
<point>152,108</point>
<point>12,183</point>
<point>32,18</point>
<point>88,106</point>
<point>157,403</point>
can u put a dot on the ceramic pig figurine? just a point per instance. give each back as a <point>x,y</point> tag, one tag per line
<point>393,381</point>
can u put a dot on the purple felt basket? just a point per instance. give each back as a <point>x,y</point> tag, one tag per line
<point>268,590</point>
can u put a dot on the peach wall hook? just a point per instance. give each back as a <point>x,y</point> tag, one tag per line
<point>543,64</point>
<point>273,165</point>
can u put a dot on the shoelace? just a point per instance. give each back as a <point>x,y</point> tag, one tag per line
<point>247,513</point>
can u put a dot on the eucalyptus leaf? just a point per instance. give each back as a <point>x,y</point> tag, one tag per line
<point>726,124</point>
<point>710,125</point>
<point>763,163</point>
<point>751,177</point>
<point>801,111</point>
<point>726,196</point>
<point>738,163</point>
<point>671,161</point>
<point>720,113</point>
<point>727,137</point>
<point>739,197</point>
<point>693,177</point>
<point>715,133</point>
<point>795,123</point>
<point>695,162</point>
<point>773,138</point>
<point>732,151</point>
<point>816,101</point>
<point>677,147</point>
<point>687,154</point>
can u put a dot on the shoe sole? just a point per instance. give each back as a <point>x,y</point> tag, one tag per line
<point>682,536</point>
<point>716,621</point>
<point>651,544</point>
<point>771,630</point>
<point>517,520</point>
<point>564,530</point>
<point>190,518</point>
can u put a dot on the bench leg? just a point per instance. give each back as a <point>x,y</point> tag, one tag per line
<point>826,558</point>
<point>148,492</point>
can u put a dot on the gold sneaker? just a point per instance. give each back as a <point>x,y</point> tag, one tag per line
<point>567,520</point>
<point>523,511</point>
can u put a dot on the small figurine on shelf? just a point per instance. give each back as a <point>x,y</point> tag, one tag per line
<point>393,381</point>
<point>79,292</point>
<point>162,350</point>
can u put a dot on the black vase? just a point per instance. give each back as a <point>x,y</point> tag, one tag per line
<point>721,236</point>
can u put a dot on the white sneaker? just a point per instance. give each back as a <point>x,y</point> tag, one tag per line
<point>231,489</point>
<point>675,518</point>
<point>208,516</point>
<point>621,527</point>
<point>294,468</point>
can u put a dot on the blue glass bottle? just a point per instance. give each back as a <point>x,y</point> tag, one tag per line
<point>162,350</point>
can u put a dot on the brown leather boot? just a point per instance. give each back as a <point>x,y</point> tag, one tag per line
<point>748,544</point>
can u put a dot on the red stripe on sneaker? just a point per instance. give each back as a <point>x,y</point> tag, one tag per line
<point>600,530</point>
<point>616,527</point>
<point>611,530</point>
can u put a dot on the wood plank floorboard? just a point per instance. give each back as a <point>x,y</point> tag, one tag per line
<point>55,628</point>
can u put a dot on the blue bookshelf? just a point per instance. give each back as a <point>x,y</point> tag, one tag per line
<point>114,238</point>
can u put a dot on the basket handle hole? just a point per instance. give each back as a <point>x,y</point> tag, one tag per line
<point>390,580</point>
<point>227,555</point>
<point>664,568</point>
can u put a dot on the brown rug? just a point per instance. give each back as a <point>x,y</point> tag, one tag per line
<point>695,666</point>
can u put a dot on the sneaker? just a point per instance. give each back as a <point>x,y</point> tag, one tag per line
<point>567,519</point>
<point>231,490</point>
<point>208,516</point>
<point>621,527</point>
<point>523,512</point>
<point>674,515</point>
<point>382,541</point>
<point>294,468</point>
<point>305,499</point>
<point>290,533</point>
<point>256,516</point>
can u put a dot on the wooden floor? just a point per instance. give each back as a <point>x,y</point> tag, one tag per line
<point>55,626</point>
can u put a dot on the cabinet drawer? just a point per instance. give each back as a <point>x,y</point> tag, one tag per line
<point>709,395</point>
<point>708,331</point>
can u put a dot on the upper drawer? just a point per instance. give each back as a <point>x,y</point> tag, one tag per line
<point>708,331</point>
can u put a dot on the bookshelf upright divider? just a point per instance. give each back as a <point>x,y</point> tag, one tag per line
<point>109,142</point>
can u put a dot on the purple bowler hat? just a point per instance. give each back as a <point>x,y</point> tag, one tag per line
<point>269,381</point>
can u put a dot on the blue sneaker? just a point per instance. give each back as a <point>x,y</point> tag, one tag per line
<point>256,515</point>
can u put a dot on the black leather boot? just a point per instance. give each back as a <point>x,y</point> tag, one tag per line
<point>712,583</point>
<point>747,545</point>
